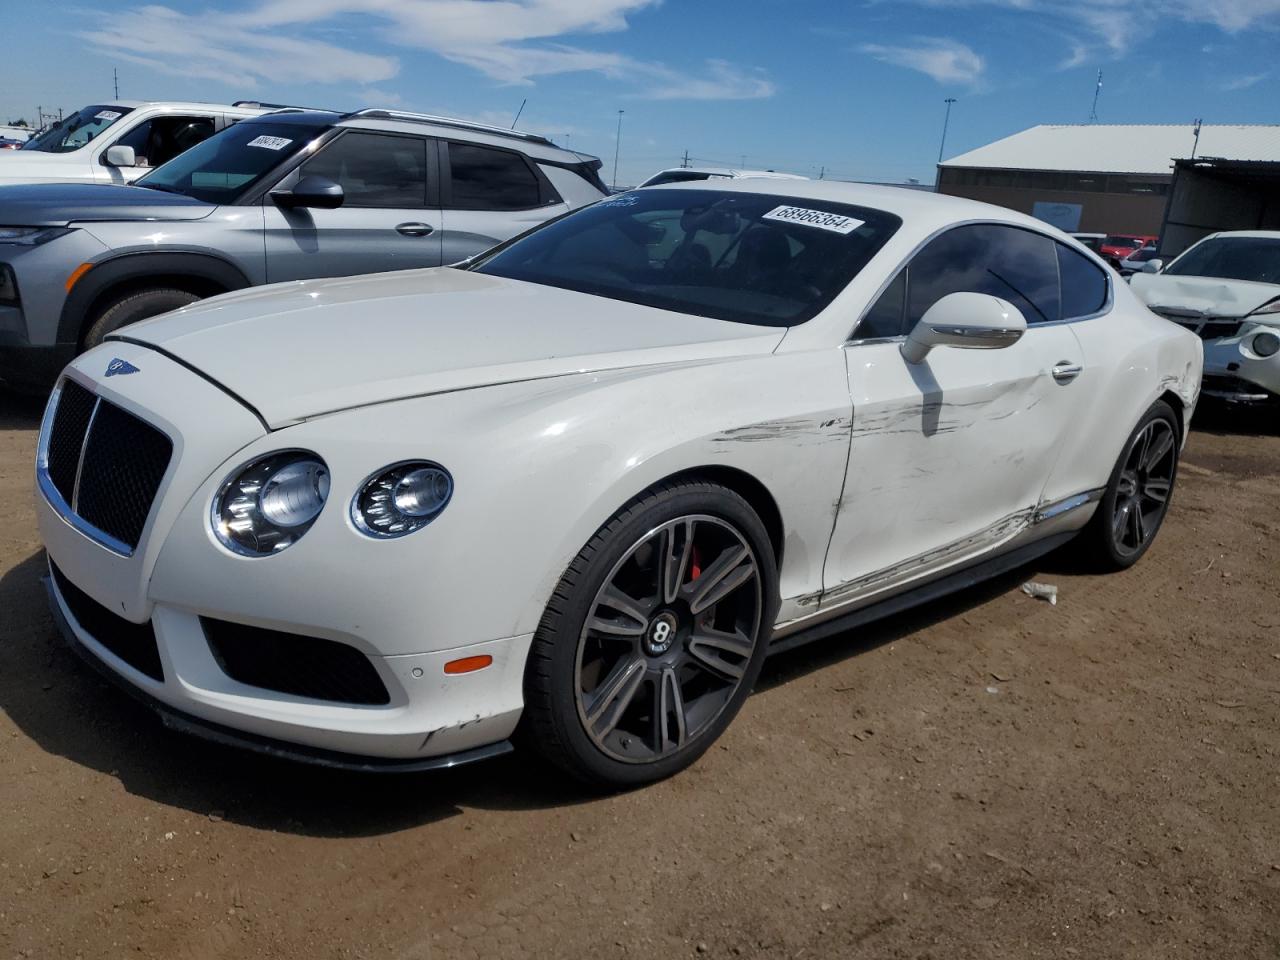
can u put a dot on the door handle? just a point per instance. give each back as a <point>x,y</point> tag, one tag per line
<point>414,229</point>
<point>1064,371</point>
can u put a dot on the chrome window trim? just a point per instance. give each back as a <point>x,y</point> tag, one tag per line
<point>1107,306</point>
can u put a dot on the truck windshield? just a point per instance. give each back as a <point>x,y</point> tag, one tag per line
<point>1231,258</point>
<point>746,257</point>
<point>73,132</point>
<point>223,167</point>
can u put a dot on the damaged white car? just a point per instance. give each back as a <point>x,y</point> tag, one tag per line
<point>1226,289</point>
<point>584,485</point>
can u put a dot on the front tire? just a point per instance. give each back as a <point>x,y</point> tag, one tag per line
<point>132,307</point>
<point>653,638</point>
<point>1137,496</point>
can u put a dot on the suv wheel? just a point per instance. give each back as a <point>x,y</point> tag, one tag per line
<point>133,307</point>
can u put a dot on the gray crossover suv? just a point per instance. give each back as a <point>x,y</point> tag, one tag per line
<point>288,195</point>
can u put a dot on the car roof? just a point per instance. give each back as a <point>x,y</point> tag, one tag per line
<point>181,105</point>
<point>921,207</point>
<point>730,172</point>
<point>1248,234</point>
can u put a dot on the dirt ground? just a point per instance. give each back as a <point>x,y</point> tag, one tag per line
<point>988,777</point>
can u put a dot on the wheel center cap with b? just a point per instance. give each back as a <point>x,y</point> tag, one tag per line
<point>661,633</point>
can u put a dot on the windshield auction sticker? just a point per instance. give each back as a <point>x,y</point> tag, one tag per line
<point>814,218</point>
<point>269,143</point>
<point>108,115</point>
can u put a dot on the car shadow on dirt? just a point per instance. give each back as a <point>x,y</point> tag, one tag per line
<point>20,411</point>
<point>1236,420</point>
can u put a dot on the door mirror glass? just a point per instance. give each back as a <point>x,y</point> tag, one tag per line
<point>968,320</point>
<point>1153,266</point>
<point>310,191</point>
<point>118,156</point>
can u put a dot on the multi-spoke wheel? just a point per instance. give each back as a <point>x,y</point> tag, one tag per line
<point>1137,496</point>
<point>654,637</point>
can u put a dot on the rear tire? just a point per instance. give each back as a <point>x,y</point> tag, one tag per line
<point>1137,496</point>
<point>132,307</point>
<point>640,662</point>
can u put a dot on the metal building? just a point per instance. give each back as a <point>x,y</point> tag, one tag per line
<point>1099,178</point>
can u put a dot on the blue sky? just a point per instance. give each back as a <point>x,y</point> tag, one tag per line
<point>854,87</point>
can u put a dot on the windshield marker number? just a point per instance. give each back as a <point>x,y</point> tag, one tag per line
<point>821,219</point>
<point>269,143</point>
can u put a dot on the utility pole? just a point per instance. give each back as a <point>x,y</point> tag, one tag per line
<point>115,79</point>
<point>1196,145</point>
<point>946,122</point>
<point>617,147</point>
<point>743,163</point>
<point>1093,114</point>
<point>822,172</point>
<point>684,161</point>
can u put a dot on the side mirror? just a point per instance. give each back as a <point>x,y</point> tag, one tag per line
<point>976,321</point>
<point>119,156</point>
<point>313,191</point>
<point>1153,266</point>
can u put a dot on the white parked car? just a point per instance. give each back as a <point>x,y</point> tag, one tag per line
<point>587,483</point>
<point>690,174</point>
<point>1226,289</point>
<point>118,142</point>
<point>1137,261</point>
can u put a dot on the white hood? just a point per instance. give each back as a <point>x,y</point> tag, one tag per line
<point>1202,296</point>
<point>297,350</point>
<point>35,166</point>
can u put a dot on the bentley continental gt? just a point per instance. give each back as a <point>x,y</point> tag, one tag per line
<point>573,491</point>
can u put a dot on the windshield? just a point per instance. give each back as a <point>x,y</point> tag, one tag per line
<point>73,132</point>
<point>1122,242</point>
<point>1231,258</point>
<point>223,167</point>
<point>746,257</point>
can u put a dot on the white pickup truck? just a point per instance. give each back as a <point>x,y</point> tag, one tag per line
<point>118,142</point>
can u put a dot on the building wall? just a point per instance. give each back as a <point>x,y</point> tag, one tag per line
<point>1209,201</point>
<point>1109,203</point>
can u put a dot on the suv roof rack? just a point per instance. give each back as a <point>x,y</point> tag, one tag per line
<point>277,106</point>
<point>456,124</point>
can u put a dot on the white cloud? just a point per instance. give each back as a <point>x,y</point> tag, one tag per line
<point>947,61</point>
<point>1117,26</point>
<point>1244,83</point>
<point>510,41</point>
<point>219,48</point>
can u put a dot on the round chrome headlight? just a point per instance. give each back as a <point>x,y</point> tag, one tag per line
<point>270,503</point>
<point>1266,344</point>
<point>401,498</point>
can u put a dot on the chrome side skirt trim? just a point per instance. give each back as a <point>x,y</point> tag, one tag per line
<point>876,586</point>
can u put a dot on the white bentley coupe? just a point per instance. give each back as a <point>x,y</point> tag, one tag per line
<point>577,489</point>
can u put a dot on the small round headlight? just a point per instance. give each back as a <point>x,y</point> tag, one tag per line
<point>1266,344</point>
<point>401,498</point>
<point>268,504</point>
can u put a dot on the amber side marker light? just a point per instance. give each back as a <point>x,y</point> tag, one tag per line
<point>468,664</point>
<point>76,274</point>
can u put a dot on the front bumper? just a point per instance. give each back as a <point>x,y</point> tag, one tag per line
<point>432,721</point>
<point>229,736</point>
<point>1234,372</point>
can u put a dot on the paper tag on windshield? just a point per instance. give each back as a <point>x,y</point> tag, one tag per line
<point>270,143</point>
<point>814,218</point>
<point>107,115</point>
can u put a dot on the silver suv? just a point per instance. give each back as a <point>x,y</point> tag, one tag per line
<point>288,195</point>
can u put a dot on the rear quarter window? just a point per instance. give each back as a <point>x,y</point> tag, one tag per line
<point>1084,284</point>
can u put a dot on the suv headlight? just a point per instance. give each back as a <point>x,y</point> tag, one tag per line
<point>1267,308</point>
<point>268,504</point>
<point>31,236</point>
<point>401,498</point>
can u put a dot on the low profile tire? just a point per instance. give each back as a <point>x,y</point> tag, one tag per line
<point>1137,496</point>
<point>133,307</point>
<point>653,638</point>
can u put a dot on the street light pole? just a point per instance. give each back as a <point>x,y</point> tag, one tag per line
<point>617,145</point>
<point>946,122</point>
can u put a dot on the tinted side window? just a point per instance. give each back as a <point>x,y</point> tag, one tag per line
<point>1016,265</point>
<point>884,319</point>
<point>374,170</point>
<point>160,139</point>
<point>489,179</point>
<point>1084,285</point>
